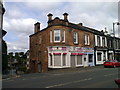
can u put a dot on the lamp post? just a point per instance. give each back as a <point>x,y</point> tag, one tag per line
<point>118,23</point>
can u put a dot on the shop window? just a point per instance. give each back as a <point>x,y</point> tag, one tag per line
<point>90,57</point>
<point>79,59</point>
<point>99,56</point>
<point>51,62</point>
<point>57,60</point>
<point>110,56</point>
<point>73,61</point>
<point>64,60</point>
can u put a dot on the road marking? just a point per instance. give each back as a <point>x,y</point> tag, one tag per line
<point>58,74</point>
<point>110,74</point>
<point>62,84</point>
<point>23,79</point>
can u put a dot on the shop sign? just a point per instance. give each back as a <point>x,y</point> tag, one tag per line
<point>57,48</point>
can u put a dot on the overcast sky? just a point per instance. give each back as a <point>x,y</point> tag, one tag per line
<point>20,17</point>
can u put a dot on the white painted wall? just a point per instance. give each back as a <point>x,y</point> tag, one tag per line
<point>96,40</point>
<point>99,62</point>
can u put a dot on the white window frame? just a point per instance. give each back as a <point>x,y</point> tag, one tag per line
<point>50,35</point>
<point>76,42</point>
<point>87,39</point>
<point>103,44</point>
<point>40,40</point>
<point>59,35</point>
<point>63,35</point>
<point>98,42</point>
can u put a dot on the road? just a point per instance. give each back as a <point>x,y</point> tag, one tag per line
<point>95,77</point>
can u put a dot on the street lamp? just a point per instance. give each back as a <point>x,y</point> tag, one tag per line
<point>118,23</point>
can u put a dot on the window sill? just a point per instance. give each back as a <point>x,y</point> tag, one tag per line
<point>87,44</point>
<point>75,43</point>
<point>56,41</point>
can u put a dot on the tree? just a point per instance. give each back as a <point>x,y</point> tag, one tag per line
<point>4,58</point>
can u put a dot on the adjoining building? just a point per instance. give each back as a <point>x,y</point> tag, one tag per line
<point>3,48</point>
<point>100,49</point>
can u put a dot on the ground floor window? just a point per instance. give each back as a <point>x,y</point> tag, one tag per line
<point>51,62</point>
<point>64,60</point>
<point>110,56</point>
<point>73,61</point>
<point>90,57</point>
<point>104,56</point>
<point>57,60</point>
<point>79,59</point>
<point>117,57</point>
<point>99,56</point>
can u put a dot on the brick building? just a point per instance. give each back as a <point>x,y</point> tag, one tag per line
<point>61,44</point>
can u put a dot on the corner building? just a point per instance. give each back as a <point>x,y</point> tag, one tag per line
<point>61,44</point>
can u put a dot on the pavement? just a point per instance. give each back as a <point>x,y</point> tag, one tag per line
<point>82,69</point>
<point>55,71</point>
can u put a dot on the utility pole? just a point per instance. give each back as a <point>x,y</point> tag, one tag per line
<point>114,37</point>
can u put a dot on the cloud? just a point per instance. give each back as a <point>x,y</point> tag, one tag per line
<point>43,6</point>
<point>93,14</point>
<point>17,46</point>
<point>19,18</point>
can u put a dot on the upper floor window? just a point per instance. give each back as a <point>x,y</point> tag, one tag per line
<point>98,41</point>
<point>63,36</point>
<point>51,36</point>
<point>75,38</point>
<point>40,40</point>
<point>56,35</point>
<point>119,44</point>
<point>110,43</point>
<point>87,40</point>
<point>103,42</point>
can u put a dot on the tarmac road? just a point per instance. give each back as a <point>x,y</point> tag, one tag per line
<point>90,77</point>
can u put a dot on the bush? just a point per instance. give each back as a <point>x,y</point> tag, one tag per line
<point>22,68</point>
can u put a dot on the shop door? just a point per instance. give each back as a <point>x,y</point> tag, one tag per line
<point>73,61</point>
<point>79,60</point>
<point>57,60</point>
<point>39,66</point>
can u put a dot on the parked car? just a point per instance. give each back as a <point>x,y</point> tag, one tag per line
<point>111,63</point>
<point>117,81</point>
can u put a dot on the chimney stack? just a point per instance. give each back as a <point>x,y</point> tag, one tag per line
<point>49,17</point>
<point>36,27</point>
<point>65,16</point>
<point>80,24</point>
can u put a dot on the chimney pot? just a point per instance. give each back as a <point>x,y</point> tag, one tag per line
<point>80,24</point>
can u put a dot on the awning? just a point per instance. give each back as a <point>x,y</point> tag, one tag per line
<point>64,53</point>
<point>77,53</point>
<point>80,53</point>
<point>57,53</point>
<point>50,53</point>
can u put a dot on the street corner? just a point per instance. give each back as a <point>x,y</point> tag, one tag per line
<point>8,77</point>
